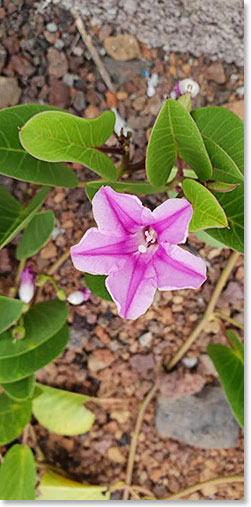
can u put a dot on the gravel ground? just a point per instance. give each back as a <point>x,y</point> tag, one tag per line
<point>213,28</point>
<point>47,63</point>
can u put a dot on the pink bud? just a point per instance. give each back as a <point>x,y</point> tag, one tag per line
<point>189,86</point>
<point>27,286</point>
<point>79,296</point>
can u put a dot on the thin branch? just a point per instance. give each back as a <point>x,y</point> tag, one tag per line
<point>209,311</point>
<point>135,437</point>
<point>93,52</point>
<point>232,321</point>
<point>197,487</point>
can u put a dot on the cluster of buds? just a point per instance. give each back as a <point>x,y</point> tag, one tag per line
<point>185,86</point>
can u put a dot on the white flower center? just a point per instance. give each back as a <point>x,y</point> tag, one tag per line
<point>148,239</point>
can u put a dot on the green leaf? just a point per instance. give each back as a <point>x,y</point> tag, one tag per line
<point>19,359</point>
<point>223,135</point>
<point>236,343</point>
<point>56,487</point>
<point>221,186</point>
<point>57,136</point>
<point>20,390</point>
<point>96,284</point>
<point>233,205</point>
<point>174,133</point>
<point>204,236</point>
<point>10,311</point>
<point>229,363</point>
<point>186,102</point>
<point>207,212</point>
<point>27,363</point>
<point>22,219</point>
<point>13,418</point>
<point>129,187</point>
<point>17,163</point>
<point>18,474</point>
<point>61,411</point>
<point>36,234</point>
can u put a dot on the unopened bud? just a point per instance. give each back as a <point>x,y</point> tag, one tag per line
<point>18,332</point>
<point>27,285</point>
<point>79,296</point>
<point>61,295</point>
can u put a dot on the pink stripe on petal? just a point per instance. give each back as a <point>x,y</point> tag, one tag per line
<point>178,269</point>
<point>133,287</point>
<point>118,214</point>
<point>99,253</point>
<point>172,220</point>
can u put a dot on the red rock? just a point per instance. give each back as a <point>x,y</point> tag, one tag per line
<point>91,112</point>
<point>100,359</point>
<point>21,66</point>
<point>215,72</point>
<point>5,264</point>
<point>142,362</point>
<point>12,44</point>
<point>59,94</point>
<point>2,13</point>
<point>57,63</point>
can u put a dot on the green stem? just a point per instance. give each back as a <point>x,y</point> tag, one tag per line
<point>232,321</point>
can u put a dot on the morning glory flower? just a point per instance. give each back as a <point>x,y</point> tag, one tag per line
<point>27,285</point>
<point>137,249</point>
<point>79,296</point>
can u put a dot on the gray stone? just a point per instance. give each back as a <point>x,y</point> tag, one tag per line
<point>145,339</point>
<point>213,28</point>
<point>9,91</point>
<point>203,420</point>
<point>51,27</point>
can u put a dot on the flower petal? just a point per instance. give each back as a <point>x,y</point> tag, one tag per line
<point>133,287</point>
<point>118,214</point>
<point>99,253</point>
<point>178,269</point>
<point>172,220</point>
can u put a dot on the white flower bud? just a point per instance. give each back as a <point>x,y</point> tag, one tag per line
<point>27,286</point>
<point>189,86</point>
<point>79,296</point>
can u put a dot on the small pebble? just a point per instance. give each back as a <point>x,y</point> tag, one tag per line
<point>59,44</point>
<point>51,27</point>
<point>146,339</point>
<point>190,362</point>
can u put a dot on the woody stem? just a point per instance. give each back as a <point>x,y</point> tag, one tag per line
<point>209,310</point>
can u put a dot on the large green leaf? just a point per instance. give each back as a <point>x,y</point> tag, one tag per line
<point>18,474</point>
<point>204,236</point>
<point>13,418</point>
<point>57,136</point>
<point>17,163</point>
<point>19,359</point>
<point>223,134</point>
<point>22,218</point>
<point>56,487</point>
<point>61,411</point>
<point>229,363</point>
<point>10,311</point>
<point>207,212</point>
<point>174,133</point>
<point>18,367</point>
<point>96,284</point>
<point>129,187</point>
<point>20,390</point>
<point>233,205</point>
<point>36,234</point>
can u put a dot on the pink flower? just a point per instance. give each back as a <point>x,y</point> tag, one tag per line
<point>138,249</point>
<point>27,286</point>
